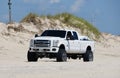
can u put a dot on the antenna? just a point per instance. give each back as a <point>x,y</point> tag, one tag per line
<point>10,16</point>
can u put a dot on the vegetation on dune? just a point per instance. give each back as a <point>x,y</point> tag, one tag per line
<point>30,18</point>
<point>86,27</point>
<point>70,20</point>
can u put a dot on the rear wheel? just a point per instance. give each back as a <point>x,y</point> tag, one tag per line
<point>61,56</point>
<point>32,57</point>
<point>88,56</point>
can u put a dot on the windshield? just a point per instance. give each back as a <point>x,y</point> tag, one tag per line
<point>54,33</point>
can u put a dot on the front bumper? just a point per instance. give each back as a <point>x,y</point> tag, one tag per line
<point>44,49</point>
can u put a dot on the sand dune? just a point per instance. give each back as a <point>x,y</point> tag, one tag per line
<point>13,62</point>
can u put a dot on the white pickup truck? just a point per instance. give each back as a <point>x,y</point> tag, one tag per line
<point>60,44</point>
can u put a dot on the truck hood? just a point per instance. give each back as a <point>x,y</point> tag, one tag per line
<point>48,38</point>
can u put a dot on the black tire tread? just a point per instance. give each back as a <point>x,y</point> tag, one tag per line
<point>32,57</point>
<point>61,56</point>
<point>86,56</point>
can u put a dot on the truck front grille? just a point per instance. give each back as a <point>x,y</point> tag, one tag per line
<point>42,43</point>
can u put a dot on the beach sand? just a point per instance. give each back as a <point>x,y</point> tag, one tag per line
<point>13,60</point>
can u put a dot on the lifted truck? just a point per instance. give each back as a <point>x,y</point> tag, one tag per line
<point>60,44</point>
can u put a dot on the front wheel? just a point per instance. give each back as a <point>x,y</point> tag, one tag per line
<point>88,56</point>
<point>32,57</point>
<point>61,56</point>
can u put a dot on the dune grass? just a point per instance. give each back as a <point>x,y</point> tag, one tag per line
<point>70,20</point>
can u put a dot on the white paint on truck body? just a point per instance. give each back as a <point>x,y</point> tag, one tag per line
<point>73,44</point>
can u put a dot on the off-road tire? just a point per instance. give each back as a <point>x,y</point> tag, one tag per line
<point>61,56</point>
<point>88,56</point>
<point>32,57</point>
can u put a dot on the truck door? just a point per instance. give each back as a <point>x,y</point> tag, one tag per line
<point>70,40</point>
<point>76,42</point>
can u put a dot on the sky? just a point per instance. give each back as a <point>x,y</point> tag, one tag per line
<point>103,14</point>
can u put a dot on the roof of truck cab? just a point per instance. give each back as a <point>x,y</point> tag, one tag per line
<point>61,30</point>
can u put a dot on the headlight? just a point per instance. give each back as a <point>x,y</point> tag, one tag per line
<point>55,43</point>
<point>31,43</point>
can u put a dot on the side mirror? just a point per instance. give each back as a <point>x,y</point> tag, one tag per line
<point>36,35</point>
<point>68,38</point>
